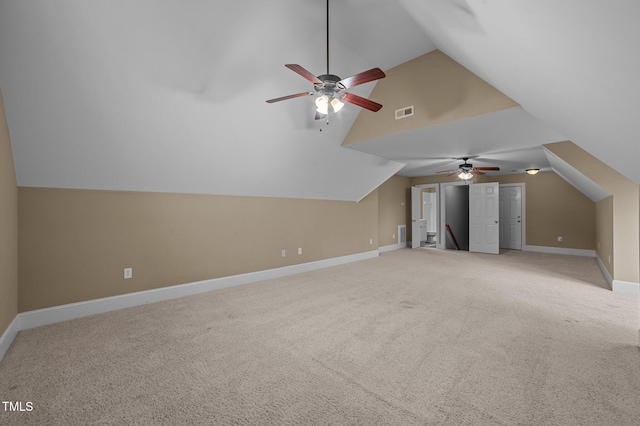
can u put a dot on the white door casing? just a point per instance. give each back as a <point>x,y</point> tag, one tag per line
<point>484,230</point>
<point>511,217</point>
<point>415,216</point>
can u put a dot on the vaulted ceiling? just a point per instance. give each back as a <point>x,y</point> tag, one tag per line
<point>166,95</point>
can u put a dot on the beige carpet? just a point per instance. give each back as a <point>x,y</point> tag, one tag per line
<point>413,337</point>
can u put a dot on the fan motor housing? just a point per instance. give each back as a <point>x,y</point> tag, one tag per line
<point>329,81</point>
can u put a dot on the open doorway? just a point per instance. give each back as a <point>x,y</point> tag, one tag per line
<point>456,216</point>
<point>425,215</point>
<point>469,216</point>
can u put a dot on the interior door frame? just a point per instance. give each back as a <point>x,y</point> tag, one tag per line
<point>523,201</point>
<point>415,221</point>
<point>415,213</point>
<point>442,241</point>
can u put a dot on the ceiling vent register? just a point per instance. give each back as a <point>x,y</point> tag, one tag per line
<point>404,112</point>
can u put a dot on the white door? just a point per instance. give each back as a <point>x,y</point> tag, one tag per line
<point>415,216</point>
<point>484,230</point>
<point>511,217</point>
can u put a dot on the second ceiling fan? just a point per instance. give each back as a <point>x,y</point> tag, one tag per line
<point>331,89</point>
<point>466,170</point>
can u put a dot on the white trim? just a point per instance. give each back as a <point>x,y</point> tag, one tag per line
<point>9,334</point>
<point>626,287</point>
<point>392,247</point>
<point>560,250</point>
<point>604,271</point>
<point>56,314</point>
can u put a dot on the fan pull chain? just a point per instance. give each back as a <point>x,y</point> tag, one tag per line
<point>327,122</point>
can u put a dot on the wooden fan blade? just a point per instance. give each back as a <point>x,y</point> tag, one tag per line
<point>361,102</point>
<point>303,72</point>
<point>284,98</point>
<point>488,168</point>
<point>360,78</point>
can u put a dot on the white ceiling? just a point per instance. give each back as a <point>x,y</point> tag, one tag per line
<point>167,95</point>
<point>510,139</point>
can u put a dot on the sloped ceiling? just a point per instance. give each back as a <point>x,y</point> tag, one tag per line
<point>571,63</point>
<point>576,178</point>
<point>161,95</point>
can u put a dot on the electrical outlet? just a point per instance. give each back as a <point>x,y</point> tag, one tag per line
<point>559,238</point>
<point>299,250</point>
<point>284,253</point>
<point>394,236</point>
<point>128,273</point>
<point>371,241</point>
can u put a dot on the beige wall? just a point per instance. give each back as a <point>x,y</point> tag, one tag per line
<point>604,232</point>
<point>439,88</point>
<point>74,244</point>
<point>394,202</point>
<point>553,208</point>
<point>8,228</point>
<point>626,207</point>
<point>444,179</point>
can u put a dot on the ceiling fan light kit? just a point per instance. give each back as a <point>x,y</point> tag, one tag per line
<point>464,175</point>
<point>332,90</point>
<point>466,171</point>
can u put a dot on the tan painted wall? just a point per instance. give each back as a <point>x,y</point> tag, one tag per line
<point>604,232</point>
<point>443,179</point>
<point>626,207</point>
<point>394,201</point>
<point>8,228</point>
<point>553,208</point>
<point>440,89</point>
<point>74,244</point>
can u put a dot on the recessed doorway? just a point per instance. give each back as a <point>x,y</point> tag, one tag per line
<point>425,215</point>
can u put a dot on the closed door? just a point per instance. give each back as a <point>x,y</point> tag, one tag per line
<point>511,217</point>
<point>484,231</point>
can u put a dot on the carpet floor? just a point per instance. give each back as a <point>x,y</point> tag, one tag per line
<point>412,337</point>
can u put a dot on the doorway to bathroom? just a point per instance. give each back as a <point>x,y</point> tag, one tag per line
<point>425,215</point>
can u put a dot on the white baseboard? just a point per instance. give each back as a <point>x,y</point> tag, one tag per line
<point>560,250</point>
<point>618,286</point>
<point>604,271</point>
<point>626,287</point>
<point>391,247</point>
<point>60,313</point>
<point>9,334</point>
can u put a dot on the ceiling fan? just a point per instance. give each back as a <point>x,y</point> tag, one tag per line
<point>466,170</point>
<point>332,90</point>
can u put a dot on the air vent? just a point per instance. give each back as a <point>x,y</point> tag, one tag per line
<point>402,235</point>
<point>404,112</point>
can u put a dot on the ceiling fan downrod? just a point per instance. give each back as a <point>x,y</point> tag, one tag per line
<point>327,37</point>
